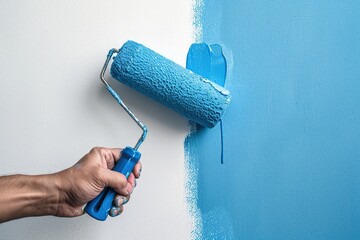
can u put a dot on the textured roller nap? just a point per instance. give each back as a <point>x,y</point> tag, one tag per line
<point>159,78</point>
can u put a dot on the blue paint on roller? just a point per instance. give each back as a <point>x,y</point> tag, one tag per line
<point>193,96</point>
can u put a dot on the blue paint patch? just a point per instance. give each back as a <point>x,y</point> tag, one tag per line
<point>291,133</point>
<point>207,61</point>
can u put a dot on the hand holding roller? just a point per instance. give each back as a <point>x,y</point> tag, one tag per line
<point>99,207</point>
<point>193,96</point>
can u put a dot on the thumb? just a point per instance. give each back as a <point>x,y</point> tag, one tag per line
<point>116,181</point>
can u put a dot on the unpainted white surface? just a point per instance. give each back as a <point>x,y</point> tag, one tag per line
<point>54,109</point>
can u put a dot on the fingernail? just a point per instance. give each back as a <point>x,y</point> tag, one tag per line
<point>120,201</point>
<point>114,211</point>
<point>135,183</point>
<point>139,172</point>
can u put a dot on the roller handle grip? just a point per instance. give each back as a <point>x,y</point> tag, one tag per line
<point>100,206</point>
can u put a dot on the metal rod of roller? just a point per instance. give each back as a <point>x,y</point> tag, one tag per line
<point>118,99</point>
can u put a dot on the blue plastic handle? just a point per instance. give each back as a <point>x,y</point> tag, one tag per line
<point>99,207</point>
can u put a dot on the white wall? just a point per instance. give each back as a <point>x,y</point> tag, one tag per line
<point>54,109</point>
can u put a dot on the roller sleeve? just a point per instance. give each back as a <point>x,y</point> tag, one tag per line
<point>193,96</point>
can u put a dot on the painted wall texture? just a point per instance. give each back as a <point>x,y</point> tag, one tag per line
<point>54,109</point>
<point>291,135</point>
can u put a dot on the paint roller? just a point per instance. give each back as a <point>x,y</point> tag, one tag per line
<point>191,95</point>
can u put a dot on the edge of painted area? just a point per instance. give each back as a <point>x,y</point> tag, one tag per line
<point>201,218</point>
<point>197,7</point>
<point>191,165</point>
<point>191,186</point>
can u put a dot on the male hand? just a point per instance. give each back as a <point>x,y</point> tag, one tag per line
<point>85,180</point>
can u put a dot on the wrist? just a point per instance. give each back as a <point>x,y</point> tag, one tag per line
<point>42,195</point>
<point>51,194</point>
<point>63,183</point>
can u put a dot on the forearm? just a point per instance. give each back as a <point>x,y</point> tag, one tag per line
<point>65,193</point>
<point>25,195</point>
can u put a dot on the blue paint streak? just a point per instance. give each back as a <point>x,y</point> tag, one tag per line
<point>292,131</point>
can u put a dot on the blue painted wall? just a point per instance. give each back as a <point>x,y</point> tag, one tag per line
<point>292,133</point>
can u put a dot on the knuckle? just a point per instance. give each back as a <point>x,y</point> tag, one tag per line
<point>95,149</point>
<point>101,151</point>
